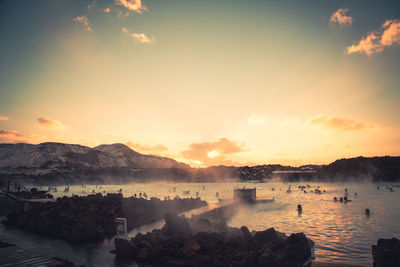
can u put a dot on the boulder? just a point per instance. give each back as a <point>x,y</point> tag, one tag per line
<point>261,238</point>
<point>296,250</point>
<point>267,259</point>
<point>386,253</point>
<point>124,248</point>
<point>176,226</point>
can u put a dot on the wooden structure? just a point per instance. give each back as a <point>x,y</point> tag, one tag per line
<point>245,194</point>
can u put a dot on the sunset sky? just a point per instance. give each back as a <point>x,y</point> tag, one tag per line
<point>204,82</point>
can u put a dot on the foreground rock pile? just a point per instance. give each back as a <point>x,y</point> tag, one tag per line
<point>189,242</point>
<point>85,219</point>
<point>386,253</point>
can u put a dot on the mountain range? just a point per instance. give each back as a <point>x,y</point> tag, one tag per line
<point>59,163</point>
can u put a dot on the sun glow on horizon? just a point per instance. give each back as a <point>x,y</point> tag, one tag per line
<point>212,154</point>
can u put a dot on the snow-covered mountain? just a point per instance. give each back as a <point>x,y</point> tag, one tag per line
<point>68,160</point>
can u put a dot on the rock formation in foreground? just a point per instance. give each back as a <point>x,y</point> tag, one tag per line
<point>386,253</point>
<point>84,219</point>
<point>199,242</point>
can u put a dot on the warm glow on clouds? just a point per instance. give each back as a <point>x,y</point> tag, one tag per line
<point>133,5</point>
<point>139,37</point>
<point>375,42</point>
<point>148,149</point>
<point>174,81</point>
<point>391,34</point>
<point>336,123</point>
<point>341,18</point>
<point>257,119</point>
<point>90,6</point>
<point>212,153</point>
<point>51,123</point>
<point>11,136</point>
<point>84,20</point>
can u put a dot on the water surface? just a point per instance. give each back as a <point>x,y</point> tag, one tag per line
<point>342,232</point>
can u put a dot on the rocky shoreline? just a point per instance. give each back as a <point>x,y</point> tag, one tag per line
<point>200,242</point>
<point>81,219</point>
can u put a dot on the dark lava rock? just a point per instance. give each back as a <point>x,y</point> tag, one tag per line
<point>266,259</point>
<point>296,250</point>
<point>268,236</point>
<point>246,232</point>
<point>178,245</point>
<point>386,253</point>
<point>176,226</point>
<point>124,248</point>
<point>84,219</point>
<point>5,244</point>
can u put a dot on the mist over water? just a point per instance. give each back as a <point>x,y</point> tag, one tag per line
<point>341,231</point>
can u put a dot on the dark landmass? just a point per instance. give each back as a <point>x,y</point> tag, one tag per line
<point>57,163</point>
<point>200,242</point>
<point>85,219</point>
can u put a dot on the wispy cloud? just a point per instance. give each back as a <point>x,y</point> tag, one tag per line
<point>150,149</point>
<point>91,5</point>
<point>340,17</point>
<point>3,118</point>
<point>336,123</point>
<point>139,37</point>
<point>11,136</point>
<point>51,123</point>
<point>375,42</point>
<point>257,119</point>
<point>132,5</point>
<point>84,20</point>
<point>212,152</point>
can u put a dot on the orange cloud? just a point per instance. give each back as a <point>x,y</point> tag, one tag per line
<point>391,35</point>
<point>139,37</point>
<point>337,123</point>
<point>107,10</point>
<point>212,153</point>
<point>341,18</point>
<point>11,136</point>
<point>51,123</point>
<point>3,118</point>
<point>90,6</point>
<point>155,149</point>
<point>376,41</point>
<point>133,5</point>
<point>84,20</point>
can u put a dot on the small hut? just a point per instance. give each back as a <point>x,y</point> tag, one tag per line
<point>245,194</point>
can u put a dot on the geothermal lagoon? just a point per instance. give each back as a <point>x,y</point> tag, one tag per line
<point>342,232</point>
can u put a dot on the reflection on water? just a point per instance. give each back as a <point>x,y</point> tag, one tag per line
<point>342,232</point>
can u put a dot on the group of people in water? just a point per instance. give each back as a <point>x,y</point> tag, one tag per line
<point>388,188</point>
<point>343,199</point>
